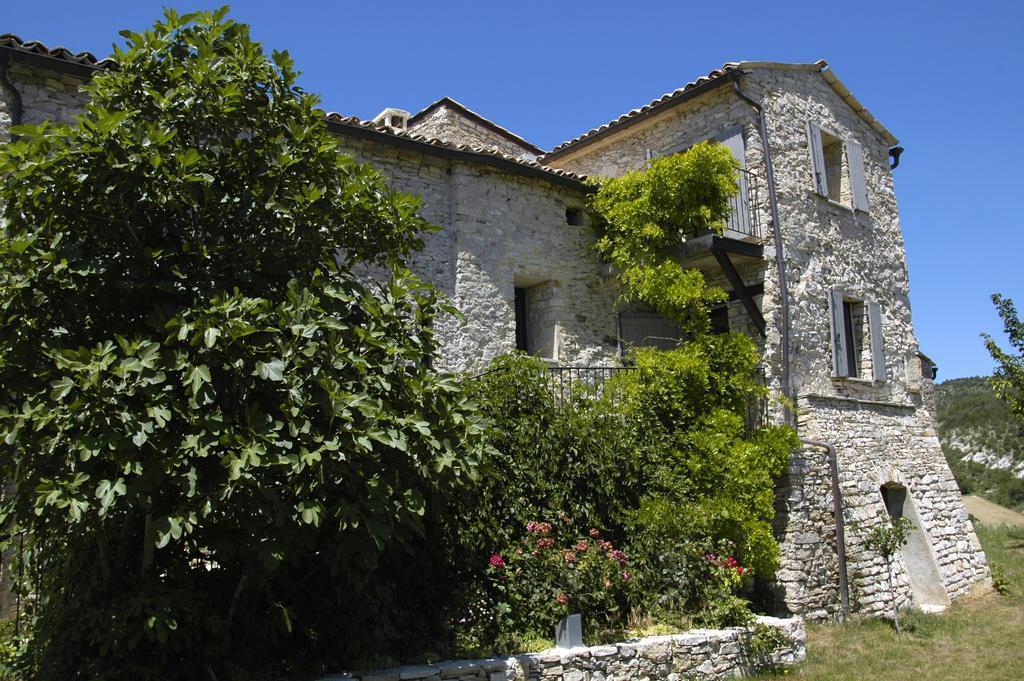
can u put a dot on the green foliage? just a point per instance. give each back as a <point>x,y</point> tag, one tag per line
<point>219,437</point>
<point>973,419</point>
<point>554,572</point>
<point>660,462</point>
<point>885,539</point>
<point>648,212</point>
<point>710,479</point>
<point>1008,379</point>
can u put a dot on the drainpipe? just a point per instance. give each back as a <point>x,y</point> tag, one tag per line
<point>837,511</point>
<point>837,499</point>
<point>777,238</point>
<point>8,87</point>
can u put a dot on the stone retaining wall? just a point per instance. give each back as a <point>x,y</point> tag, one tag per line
<point>696,654</point>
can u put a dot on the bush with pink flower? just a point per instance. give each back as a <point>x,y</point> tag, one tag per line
<point>552,572</point>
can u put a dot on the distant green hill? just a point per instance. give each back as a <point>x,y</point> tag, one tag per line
<point>983,442</point>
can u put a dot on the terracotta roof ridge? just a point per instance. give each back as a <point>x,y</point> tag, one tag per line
<point>15,42</point>
<point>715,78</point>
<point>501,130</point>
<point>355,121</point>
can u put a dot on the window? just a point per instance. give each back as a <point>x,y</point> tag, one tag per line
<point>720,319</point>
<point>858,349</point>
<point>521,319</point>
<point>836,178</point>
<point>536,318</point>
<point>648,329</point>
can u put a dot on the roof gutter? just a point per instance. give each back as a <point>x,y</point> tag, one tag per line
<point>79,69</point>
<point>17,107</point>
<point>684,96</point>
<point>472,157</point>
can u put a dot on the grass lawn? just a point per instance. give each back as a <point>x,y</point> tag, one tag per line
<point>980,638</point>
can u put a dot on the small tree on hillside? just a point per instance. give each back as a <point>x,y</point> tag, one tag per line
<point>219,436</point>
<point>1008,379</point>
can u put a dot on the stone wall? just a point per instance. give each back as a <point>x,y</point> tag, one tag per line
<point>698,654</point>
<point>875,425</point>
<point>449,125</point>
<point>501,230</point>
<point>45,96</point>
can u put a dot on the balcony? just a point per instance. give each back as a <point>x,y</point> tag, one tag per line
<point>570,384</point>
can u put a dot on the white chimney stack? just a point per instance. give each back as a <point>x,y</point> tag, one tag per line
<point>396,119</point>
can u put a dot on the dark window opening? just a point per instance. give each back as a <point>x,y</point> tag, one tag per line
<point>720,319</point>
<point>522,335</point>
<point>853,330</point>
<point>574,216</point>
<point>894,496</point>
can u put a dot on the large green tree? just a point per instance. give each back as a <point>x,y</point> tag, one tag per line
<point>220,440</point>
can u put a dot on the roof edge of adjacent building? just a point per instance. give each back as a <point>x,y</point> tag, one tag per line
<point>85,64</point>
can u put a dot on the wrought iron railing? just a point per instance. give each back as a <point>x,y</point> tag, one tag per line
<point>744,218</point>
<point>570,383</point>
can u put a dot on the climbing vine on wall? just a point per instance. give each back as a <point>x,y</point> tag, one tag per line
<point>645,213</point>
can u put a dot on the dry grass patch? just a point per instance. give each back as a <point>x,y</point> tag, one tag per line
<point>980,638</point>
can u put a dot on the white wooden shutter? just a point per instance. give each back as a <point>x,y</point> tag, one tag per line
<point>877,340</point>
<point>840,364</point>
<point>817,158</point>
<point>739,216</point>
<point>855,158</point>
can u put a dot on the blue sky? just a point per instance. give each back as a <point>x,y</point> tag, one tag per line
<point>944,77</point>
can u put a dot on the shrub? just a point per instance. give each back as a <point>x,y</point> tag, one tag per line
<point>553,572</point>
<point>219,436</point>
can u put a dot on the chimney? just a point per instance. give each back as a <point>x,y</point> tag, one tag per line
<point>395,119</point>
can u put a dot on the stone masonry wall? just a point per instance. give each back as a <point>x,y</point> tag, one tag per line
<point>875,425</point>
<point>501,230</point>
<point>697,654</point>
<point>883,430</point>
<point>452,126</point>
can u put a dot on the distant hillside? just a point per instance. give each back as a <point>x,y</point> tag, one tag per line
<point>982,441</point>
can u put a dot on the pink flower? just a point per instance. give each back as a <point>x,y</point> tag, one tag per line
<point>531,526</point>
<point>617,555</point>
<point>626,576</point>
<point>561,599</point>
<point>594,534</point>
<point>545,543</point>
<point>582,545</point>
<point>497,561</point>
<point>570,557</point>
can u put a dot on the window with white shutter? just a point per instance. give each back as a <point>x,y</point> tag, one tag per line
<point>837,168</point>
<point>858,344</point>
<point>858,182</point>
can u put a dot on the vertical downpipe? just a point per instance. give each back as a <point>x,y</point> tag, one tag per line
<point>12,92</point>
<point>837,499</point>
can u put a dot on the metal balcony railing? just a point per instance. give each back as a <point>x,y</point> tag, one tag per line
<point>744,219</point>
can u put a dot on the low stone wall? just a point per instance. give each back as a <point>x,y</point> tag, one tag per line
<point>696,654</point>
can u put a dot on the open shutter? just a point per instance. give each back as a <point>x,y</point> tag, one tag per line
<point>739,215</point>
<point>855,157</point>
<point>877,340</point>
<point>817,158</point>
<point>840,363</point>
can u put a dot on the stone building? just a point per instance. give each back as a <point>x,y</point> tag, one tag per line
<point>813,260</point>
